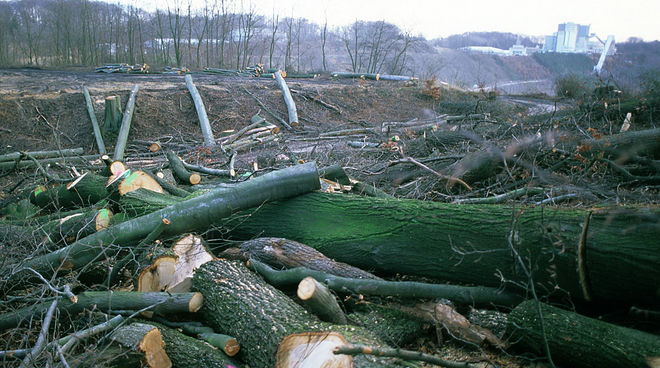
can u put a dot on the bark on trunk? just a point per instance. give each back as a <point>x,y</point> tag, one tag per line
<point>321,301</point>
<point>112,114</point>
<point>579,341</point>
<point>86,191</point>
<point>288,100</point>
<point>139,345</point>
<point>469,243</point>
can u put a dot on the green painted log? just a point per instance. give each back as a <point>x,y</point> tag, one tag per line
<point>163,304</point>
<point>579,341</point>
<point>240,303</point>
<point>468,243</point>
<point>197,213</point>
<point>89,190</point>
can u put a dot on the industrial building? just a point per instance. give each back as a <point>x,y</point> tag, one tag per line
<point>574,38</point>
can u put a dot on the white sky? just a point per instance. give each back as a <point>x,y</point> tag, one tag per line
<point>440,18</point>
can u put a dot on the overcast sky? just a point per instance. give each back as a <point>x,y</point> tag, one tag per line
<point>442,18</point>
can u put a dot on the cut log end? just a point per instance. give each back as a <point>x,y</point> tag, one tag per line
<point>155,147</point>
<point>196,302</point>
<point>306,288</point>
<point>117,167</point>
<point>158,276</point>
<point>102,220</point>
<point>76,181</point>
<point>312,349</point>
<point>195,179</point>
<point>139,179</point>
<point>152,346</point>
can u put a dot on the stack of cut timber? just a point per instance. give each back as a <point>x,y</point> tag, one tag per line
<point>258,132</point>
<point>123,68</point>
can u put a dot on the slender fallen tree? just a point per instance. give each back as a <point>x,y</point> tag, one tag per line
<point>95,123</point>
<point>290,104</point>
<point>122,136</point>
<point>207,132</point>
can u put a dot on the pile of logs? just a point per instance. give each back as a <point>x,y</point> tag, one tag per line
<point>251,71</point>
<point>176,70</point>
<point>126,232</point>
<point>123,68</point>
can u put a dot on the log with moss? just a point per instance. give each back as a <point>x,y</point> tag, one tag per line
<point>106,301</point>
<point>197,213</point>
<point>240,303</point>
<point>579,341</point>
<point>469,243</point>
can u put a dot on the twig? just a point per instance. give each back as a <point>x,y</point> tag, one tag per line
<point>530,282</point>
<point>350,349</point>
<point>52,126</point>
<point>502,197</point>
<point>449,178</point>
<point>279,119</point>
<point>39,346</point>
<point>70,340</point>
<point>44,172</point>
<point>66,290</point>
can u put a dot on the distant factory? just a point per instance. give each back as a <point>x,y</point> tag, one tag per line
<point>575,38</point>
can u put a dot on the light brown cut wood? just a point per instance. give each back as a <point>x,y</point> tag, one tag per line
<point>117,167</point>
<point>145,340</point>
<point>73,183</point>
<point>139,179</point>
<point>191,253</point>
<point>102,220</point>
<point>195,178</point>
<point>158,275</point>
<point>196,302</point>
<point>312,349</point>
<point>155,147</point>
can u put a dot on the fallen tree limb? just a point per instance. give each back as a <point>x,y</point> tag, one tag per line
<point>479,295</point>
<point>283,253</point>
<point>95,123</point>
<point>399,353</point>
<point>355,75</point>
<point>181,174</point>
<point>122,136</point>
<point>468,243</point>
<point>279,119</point>
<point>42,154</point>
<point>321,301</point>
<point>597,343</point>
<point>136,344</point>
<point>201,112</point>
<point>29,164</point>
<point>196,213</point>
<point>161,303</point>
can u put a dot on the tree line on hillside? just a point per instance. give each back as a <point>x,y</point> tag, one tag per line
<point>222,34</point>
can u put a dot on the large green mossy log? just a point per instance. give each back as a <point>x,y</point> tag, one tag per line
<point>160,303</point>
<point>240,303</point>
<point>197,213</point>
<point>469,243</point>
<point>579,341</point>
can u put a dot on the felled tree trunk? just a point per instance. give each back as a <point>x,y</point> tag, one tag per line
<point>143,201</point>
<point>201,112</point>
<point>579,341</point>
<point>241,304</point>
<point>122,136</point>
<point>290,104</point>
<point>469,243</point>
<point>95,123</point>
